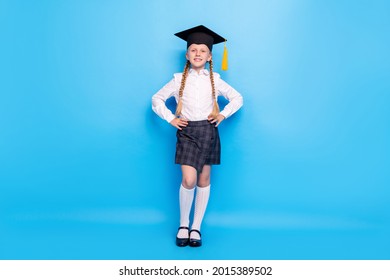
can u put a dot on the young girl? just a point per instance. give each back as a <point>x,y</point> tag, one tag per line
<point>197,119</point>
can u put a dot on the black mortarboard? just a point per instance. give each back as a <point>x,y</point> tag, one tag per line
<point>200,35</point>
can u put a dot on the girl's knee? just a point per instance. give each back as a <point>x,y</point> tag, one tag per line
<point>188,182</point>
<point>204,181</point>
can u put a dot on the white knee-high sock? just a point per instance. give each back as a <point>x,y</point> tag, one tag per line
<point>186,197</point>
<point>201,200</point>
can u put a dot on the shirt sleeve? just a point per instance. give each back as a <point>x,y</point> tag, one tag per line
<point>159,99</point>
<point>234,97</point>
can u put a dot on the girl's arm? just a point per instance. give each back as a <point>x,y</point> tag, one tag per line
<point>234,97</point>
<point>159,99</point>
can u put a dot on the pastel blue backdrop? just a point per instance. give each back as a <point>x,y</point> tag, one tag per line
<point>86,167</point>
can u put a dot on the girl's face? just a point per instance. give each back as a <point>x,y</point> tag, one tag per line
<point>198,56</point>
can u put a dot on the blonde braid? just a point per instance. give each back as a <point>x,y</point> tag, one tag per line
<point>215,111</point>
<point>181,90</point>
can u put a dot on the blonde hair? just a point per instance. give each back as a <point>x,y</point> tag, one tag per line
<point>181,90</point>
<point>214,113</point>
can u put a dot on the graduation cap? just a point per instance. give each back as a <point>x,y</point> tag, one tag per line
<point>202,35</point>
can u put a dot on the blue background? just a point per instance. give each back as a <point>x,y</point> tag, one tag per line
<point>86,167</point>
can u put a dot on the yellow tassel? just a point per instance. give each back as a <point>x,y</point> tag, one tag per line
<point>225,58</point>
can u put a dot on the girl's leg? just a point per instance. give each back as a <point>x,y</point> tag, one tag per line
<point>204,177</point>
<point>189,175</point>
<point>201,200</point>
<point>186,197</point>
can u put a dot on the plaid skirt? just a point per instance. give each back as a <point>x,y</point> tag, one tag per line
<point>198,144</point>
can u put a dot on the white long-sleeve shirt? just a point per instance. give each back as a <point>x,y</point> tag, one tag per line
<point>197,97</point>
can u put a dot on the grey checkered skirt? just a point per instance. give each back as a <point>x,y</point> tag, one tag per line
<point>198,144</point>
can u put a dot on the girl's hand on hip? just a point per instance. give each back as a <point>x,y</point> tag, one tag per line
<point>216,120</point>
<point>179,123</point>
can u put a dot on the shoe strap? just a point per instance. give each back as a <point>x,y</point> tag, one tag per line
<point>195,231</point>
<point>183,228</point>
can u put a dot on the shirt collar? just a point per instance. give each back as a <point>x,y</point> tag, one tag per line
<point>204,72</point>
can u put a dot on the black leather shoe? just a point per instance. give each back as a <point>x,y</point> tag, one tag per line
<point>182,242</point>
<point>195,242</point>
